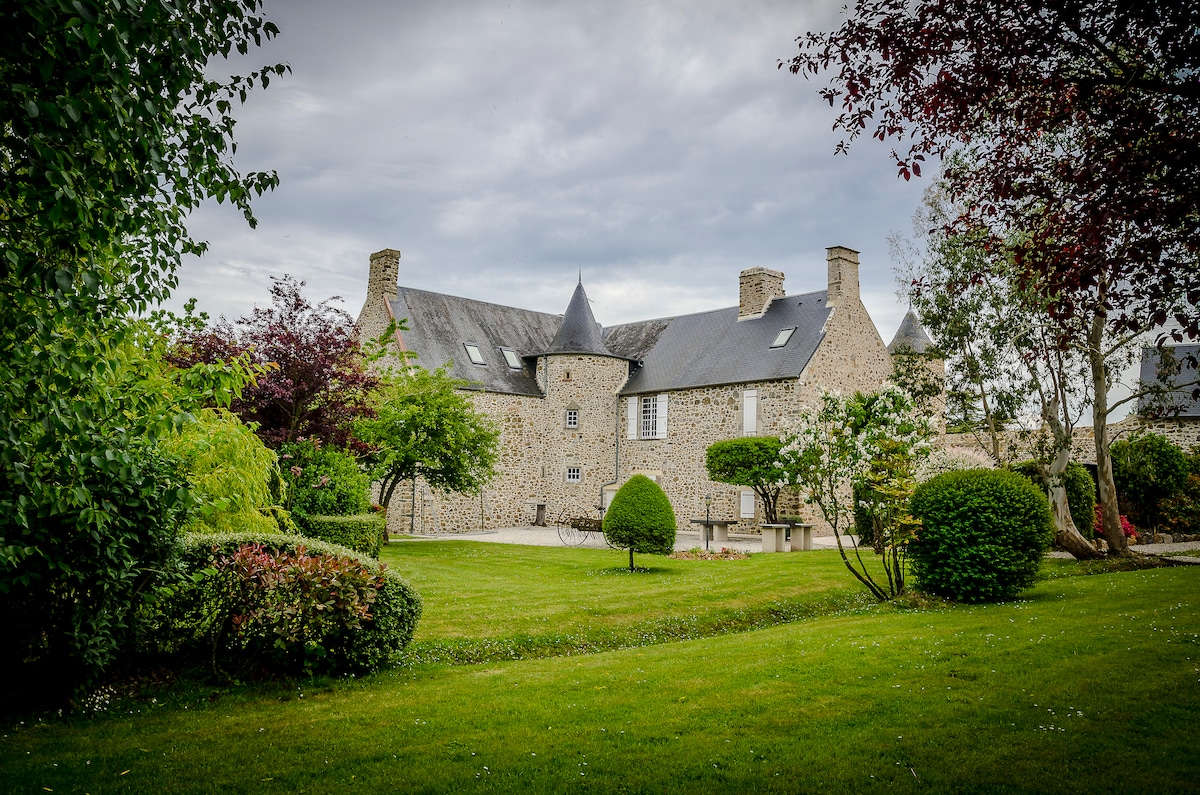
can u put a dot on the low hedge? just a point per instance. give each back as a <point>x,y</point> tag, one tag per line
<point>361,532</point>
<point>193,618</point>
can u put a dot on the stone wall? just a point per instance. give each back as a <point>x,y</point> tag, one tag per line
<point>1183,433</point>
<point>536,449</point>
<point>852,357</point>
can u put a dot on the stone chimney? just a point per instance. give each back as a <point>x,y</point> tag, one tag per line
<point>843,274</point>
<point>381,288</point>
<point>385,273</point>
<point>756,288</point>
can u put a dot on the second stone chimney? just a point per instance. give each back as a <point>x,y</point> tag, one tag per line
<point>843,274</point>
<point>756,288</point>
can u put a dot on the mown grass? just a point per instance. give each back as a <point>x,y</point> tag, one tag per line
<point>488,602</point>
<point>1089,684</point>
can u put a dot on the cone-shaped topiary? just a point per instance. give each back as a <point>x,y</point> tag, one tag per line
<point>640,519</point>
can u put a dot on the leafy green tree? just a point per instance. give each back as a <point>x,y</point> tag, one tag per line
<point>1148,470</point>
<point>89,505</point>
<point>751,461</point>
<point>1080,127</point>
<point>111,132</point>
<point>423,426</point>
<point>640,518</point>
<point>1008,354</point>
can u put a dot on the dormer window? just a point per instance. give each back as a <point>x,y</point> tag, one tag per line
<point>783,336</point>
<point>511,358</point>
<point>474,353</point>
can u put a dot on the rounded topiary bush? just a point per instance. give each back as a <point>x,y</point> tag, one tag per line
<point>252,602</point>
<point>982,537</point>
<point>640,519</point>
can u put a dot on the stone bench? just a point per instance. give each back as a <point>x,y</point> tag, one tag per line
<point>718,527</point>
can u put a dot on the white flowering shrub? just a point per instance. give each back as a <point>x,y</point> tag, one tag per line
<point>952,459</point>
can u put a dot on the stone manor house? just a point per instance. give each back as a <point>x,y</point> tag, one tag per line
<point>581,407</point>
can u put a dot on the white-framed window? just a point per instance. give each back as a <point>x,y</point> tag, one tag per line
<point>783,336</point>
<point>749,412</point>
<point>574,475</point>
<point>572,418</point>
<point>647,416</point>
<point>649,428</point>
<point>747,505</point>
<point>473,353</point>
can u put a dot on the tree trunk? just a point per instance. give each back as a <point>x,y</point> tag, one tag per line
<point>631,558</point>
<point>1066,534</point>
<point>1110,511</point>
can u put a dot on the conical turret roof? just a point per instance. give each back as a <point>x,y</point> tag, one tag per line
<point>579,332</point>
<point>910,336</point>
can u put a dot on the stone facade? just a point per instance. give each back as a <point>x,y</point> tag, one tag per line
<point>571,445</point>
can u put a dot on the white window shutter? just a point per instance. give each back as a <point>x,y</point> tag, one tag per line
<point>750,412</point>
<point>660,431</point>
<point>634,416</point>
<point>747,505</point>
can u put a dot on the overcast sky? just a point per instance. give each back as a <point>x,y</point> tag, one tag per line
<point>504,148</point>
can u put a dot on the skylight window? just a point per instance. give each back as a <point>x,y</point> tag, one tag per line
<point>510,356</point>
<point>474,352</point>
<point>782,337</point>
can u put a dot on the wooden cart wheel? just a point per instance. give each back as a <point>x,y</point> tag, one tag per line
<point>570,535</point>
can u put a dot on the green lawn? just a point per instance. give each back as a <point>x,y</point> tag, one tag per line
<point>1089,684</point>
<point>497,601</point>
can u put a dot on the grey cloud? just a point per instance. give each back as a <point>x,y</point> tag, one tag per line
<point>502,147</point>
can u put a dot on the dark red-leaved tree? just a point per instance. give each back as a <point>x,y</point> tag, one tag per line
<point>1082,119</point>
<point>316,382</point>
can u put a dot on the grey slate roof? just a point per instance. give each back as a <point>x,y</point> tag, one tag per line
<point>704,349</point>
<point>1181,398</point>
<point>910,335</point>
<point>579,331</point>
<point>712,348</point>
<point>440,324</point>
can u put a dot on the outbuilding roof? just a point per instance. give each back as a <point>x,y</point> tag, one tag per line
<point>1178,358</point>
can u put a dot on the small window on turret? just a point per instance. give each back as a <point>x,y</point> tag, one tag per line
<point>782,337</point>
<point>512,358</point>
<point>474,353</point>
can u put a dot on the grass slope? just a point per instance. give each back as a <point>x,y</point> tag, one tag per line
<point>1087,685</point>
<point>488,602</point>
